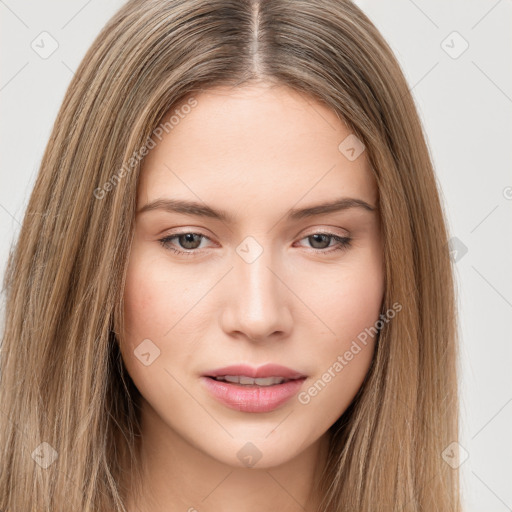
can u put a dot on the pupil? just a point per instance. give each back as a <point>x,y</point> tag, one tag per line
<point>187,239</point>
<point>316,239</point>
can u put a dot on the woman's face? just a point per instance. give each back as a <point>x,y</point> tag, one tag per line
<point>267,275</point>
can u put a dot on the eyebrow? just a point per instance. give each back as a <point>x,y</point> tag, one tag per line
<point>203,210</point>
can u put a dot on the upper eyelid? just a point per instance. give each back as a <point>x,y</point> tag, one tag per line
<point>318,231</point>
<point>326,231</point>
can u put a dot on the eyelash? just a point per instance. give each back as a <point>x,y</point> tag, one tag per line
<point>343,243</point>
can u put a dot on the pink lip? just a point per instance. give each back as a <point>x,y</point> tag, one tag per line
<point>267,370</point>
<point>252,398</point>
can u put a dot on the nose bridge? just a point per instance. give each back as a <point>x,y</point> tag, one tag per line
<point>257,305</point>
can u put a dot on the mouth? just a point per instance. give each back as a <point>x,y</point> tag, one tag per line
<point>243,380</point>
<point>253,390</point>
<point>245,372</point>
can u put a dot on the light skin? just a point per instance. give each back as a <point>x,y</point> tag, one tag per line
<point>254,152</point>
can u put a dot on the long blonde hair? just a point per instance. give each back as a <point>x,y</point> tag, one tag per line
<point>70,417</point>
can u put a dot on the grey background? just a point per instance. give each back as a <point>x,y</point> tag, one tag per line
<point>465,104</point>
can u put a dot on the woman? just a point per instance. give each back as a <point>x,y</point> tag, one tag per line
<point>232,286</point>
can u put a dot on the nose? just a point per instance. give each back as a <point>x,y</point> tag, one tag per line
<point>257,300</point>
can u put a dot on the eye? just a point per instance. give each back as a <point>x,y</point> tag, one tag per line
<point>190,241</point>
<point>321,241</point>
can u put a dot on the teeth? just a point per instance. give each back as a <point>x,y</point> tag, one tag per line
<point>249,381</point>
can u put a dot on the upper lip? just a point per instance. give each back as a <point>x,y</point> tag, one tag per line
<point>267,370</point>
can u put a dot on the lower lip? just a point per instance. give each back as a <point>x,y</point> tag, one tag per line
<point>252,398</point>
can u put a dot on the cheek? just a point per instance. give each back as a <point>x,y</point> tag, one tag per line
<point>151,308</point>
<point>348,298</point>
<point>350,306</point>
<point>352,317</point>
<point>142,304</point>
<point>148,311</point>
<point>359,303</point>
<point>160,304</point>
<point>151,298</point>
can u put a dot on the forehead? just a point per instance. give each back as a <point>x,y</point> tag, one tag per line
<point>255,143</point>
